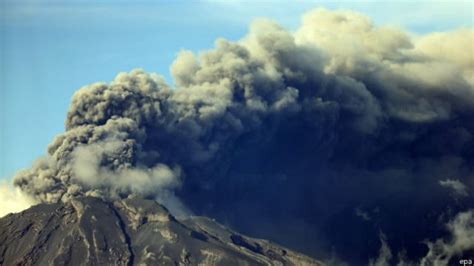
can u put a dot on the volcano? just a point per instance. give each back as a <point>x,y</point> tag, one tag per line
<point>90,231</point>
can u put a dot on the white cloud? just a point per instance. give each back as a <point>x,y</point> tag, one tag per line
<point>12,200</point>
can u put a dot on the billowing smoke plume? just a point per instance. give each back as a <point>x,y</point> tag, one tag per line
<point>287,136</point>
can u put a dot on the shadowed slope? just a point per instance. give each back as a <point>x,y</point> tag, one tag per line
<point>128,232</point>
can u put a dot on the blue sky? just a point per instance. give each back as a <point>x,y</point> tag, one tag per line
<point>49,49</point>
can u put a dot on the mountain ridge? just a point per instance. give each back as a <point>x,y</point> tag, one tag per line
<point>129,232</point>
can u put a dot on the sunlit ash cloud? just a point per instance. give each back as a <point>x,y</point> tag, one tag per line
<point>285,135</point>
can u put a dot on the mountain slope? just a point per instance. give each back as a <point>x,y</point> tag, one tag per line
<point>128,232</point>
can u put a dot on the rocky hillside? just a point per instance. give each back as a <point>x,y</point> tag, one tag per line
<point>89,231</point>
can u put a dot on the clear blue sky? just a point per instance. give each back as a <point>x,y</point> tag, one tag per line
<point>49,49</point>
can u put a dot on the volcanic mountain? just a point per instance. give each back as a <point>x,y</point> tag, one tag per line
<point>90,231</point>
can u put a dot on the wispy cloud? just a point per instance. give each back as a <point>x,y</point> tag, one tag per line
<point>457,186</point>
<point>420,16</point>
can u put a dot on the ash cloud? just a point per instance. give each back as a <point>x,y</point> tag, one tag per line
<point>440,251</point>
<point>461,230</point>
<point>283,135</point>
<point>458,187</point>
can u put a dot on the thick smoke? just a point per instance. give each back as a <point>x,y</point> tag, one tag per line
<point>318,139</point>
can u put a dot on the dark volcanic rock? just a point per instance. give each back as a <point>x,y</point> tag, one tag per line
<point>89,231</point>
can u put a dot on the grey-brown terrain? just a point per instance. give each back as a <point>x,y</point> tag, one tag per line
<point>89,231</point>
